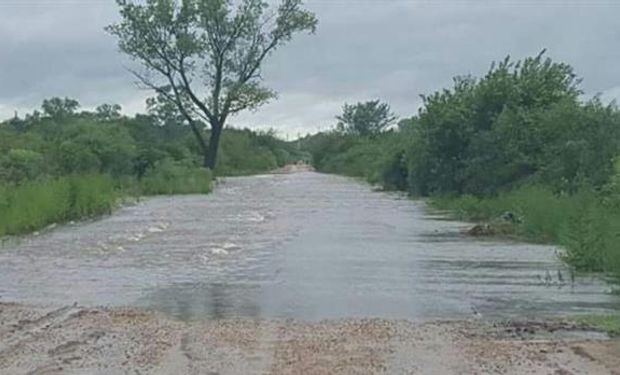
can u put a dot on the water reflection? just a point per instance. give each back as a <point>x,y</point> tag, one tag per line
<point>194,301</point>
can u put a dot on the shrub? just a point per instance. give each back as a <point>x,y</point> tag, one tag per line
<point>36,204</point>
<point>169,177</point>
<point>588,229</point>
<point>21,165</point>
<point>91,195</point>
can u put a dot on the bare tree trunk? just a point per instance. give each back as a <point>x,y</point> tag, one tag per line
<point>214,143</point>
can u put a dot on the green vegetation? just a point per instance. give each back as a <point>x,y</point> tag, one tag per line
<point>517,149</point>
<point>36,204</point>
<point>606,323</point>
<point>61,164</point>
<point>168,177</point>
<point>365,119</point>
<point>584,225</point>
<point>203,58</point>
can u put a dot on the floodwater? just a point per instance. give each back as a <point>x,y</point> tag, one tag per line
<point>304,246</point>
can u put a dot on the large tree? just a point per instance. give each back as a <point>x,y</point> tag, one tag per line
<point>59,108</point>
<point>205,56</point>
<point>365,119</point>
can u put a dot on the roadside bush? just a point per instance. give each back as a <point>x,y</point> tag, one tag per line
<point>91,195</point>
<point>243,152</point>
<point>380,160</point>
<point>358,161</point>
<point>581,223</point>
<point>170,177</point>
<point>89,147</point>
<point>20,165</point>
<point>37,204</point>
<point>75,158</point>
<point>591,237</point>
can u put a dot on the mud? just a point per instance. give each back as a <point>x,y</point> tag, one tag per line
<point>76,340</point>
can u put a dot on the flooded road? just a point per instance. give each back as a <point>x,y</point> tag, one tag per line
<point>305,246</point>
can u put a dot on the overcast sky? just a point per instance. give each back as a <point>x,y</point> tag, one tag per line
<point>363,49</point>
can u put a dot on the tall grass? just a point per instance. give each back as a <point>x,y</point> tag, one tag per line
<point>586,227</point>
<point>175,178</point>
<point>607,323</point>
<point>36,204</point>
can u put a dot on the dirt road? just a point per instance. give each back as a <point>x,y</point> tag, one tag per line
<point>74,340</point>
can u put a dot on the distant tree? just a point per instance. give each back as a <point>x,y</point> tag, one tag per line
<point>58,108</point>
<point>108,112</point>
<point>406,123</point>
<point>365,119</point>
<point>205,56</point>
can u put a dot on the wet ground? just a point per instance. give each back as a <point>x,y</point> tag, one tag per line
<point>306,246</point>
<point>114,341</point>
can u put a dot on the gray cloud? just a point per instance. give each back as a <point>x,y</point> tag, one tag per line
<point>363,49</point>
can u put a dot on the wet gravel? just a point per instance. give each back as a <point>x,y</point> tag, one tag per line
<point>77,340</point>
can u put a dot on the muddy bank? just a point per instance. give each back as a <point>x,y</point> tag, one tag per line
<point>75,340</point>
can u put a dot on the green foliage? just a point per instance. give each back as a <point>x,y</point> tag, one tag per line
<point>36,204</point>
<point>20,165</point>
<point>213,47</point>
<point>91,195</point>
<point>248,152</point>
<point>108,112</point>
<point>381,160</point>
<point>58,108</point>
<point>169,177</point>
<point>90,147</point>
<point>586,228</point>
<point>606,323</point>
<point>323,146</point>
<point>78,164</point>
<point>365,119</point>
<point>488,134</point>
<point>103,142</point>
<point>583,143</point>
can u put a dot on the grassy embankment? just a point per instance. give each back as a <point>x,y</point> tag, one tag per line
<point>584,225</point>
<point>606,323</point>
<point>36,204</point>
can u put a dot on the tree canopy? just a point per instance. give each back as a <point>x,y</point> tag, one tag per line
<point>59,108</point>
<point>366,119</point>
<point>205,56</point>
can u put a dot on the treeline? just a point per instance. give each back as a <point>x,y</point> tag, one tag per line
<point>519,140</point>
<point>61,164</point>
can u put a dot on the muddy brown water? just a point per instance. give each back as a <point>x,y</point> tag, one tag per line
<point>304,246</point>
